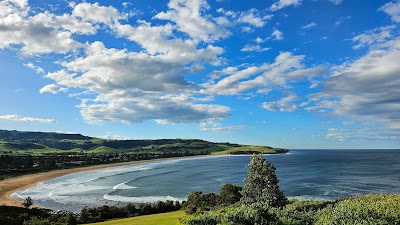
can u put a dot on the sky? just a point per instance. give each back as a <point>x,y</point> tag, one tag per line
<point>283,73</point>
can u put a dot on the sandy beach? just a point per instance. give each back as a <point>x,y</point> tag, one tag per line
<point>9,186</point>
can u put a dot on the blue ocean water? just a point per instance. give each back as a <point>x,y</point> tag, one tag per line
<point>303,174</point>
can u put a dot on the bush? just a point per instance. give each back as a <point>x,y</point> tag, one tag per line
<point>301,212</point>
<point>202,219</point>
<point>27,202</point>
<point>197,201</point>
<point>238,215</point>
<point>230,194</point>
<point>368,209</point>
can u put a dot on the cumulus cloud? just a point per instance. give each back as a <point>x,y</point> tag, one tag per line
<point>285,104</point>
<point>42,33</point>
<point>187,14</point>
<point>133,87</point>
<point>252,48</point>
<point>367,88</point>
<point>254,18</point>
<point>392,9</point>
<point>125,86</point>
<point>284,3</point>
<point>52,88</point>
<point>277,35</point>
<point>375,36</point>
<point>287,68</point>
<point>15,117</point>
<point>97,14</point>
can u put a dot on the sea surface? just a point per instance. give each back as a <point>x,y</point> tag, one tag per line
<point>303,174</point>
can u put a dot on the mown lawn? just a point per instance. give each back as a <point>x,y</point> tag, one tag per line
<point>170,218</point>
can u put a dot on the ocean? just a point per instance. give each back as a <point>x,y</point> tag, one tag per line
<point>303,174</point>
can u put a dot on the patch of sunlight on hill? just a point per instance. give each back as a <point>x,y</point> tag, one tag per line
<point>170,218</point>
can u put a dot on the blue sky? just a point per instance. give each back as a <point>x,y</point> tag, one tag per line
<point>284,73</point>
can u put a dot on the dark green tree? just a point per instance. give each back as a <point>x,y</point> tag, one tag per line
<point>230,194</point>
<point>27,202</point>
<point>261,185</point>
<point>70,219</point>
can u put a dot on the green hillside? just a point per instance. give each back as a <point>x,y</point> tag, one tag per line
<point>37,143</point>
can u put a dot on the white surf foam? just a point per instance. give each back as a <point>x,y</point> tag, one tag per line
<point>142,199</point>
<point>123,186</point>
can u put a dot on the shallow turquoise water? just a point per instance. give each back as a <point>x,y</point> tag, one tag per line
<point>303,174</point>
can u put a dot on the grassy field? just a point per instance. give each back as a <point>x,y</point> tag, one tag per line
<point>171,218</point>
<point>247,148</point>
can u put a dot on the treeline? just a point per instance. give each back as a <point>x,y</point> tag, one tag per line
<point>22,136</point>
<point>12,165</point>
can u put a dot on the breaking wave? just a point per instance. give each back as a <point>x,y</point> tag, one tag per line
<point>141,199</point>
<point>123,186</point>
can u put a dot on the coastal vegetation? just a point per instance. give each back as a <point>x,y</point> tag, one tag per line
<point>32,152</point>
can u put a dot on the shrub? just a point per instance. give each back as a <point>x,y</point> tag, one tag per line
<point>202,219</point>
<point>368,209</point>
<point>197,201</point>
<point>301,212</point>
<point>27,202</point>
<point>230,194</point>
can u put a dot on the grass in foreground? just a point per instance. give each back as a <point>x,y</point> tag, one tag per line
<point>170,218</point>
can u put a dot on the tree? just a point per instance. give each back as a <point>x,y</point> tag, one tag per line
<point>230,194</point>
<point>27,202</point>
<point>70,219</point>
<point>261,185</point>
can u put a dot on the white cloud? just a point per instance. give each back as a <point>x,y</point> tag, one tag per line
<point>367,88</point>
<point>15,117</point>
<point>97,14</point>
<point>336,2</point>
<point>251,48</point>
<point>278,35</point>
<point>259,40</point>
<point>42,33</point>
<point>134,86</point>
<point>284,3</point>
<point>287,68</point>
<point>113,136</point>
<point>35,68</point>
<point>52,88</point>
<point>253,18</point>
<point>187,14</point>
<point>309,26</point>
<point>378,35</point>
<point>285,104</point>
<point>392,9</point>
<point>213,126</point>
<point>357,133</point>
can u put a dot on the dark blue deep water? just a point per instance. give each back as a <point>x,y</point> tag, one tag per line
<point>303,174</point>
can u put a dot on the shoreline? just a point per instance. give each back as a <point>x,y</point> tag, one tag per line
<point>11,185</point>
